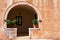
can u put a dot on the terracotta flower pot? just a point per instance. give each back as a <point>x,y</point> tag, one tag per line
<point>35,26</point>
<point>35,23</point>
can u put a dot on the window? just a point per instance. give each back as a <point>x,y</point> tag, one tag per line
<point>19,20</point>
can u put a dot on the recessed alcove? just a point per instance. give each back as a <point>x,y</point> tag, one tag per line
<point>27,12</point>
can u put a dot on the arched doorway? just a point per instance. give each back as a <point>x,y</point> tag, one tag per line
<point>26,12</point>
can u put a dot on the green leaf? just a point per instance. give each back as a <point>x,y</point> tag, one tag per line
<point>9,22</point>
<point>34,21</point>
<point>14,21</point>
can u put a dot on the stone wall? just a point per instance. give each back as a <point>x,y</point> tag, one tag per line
<point>49,9</point>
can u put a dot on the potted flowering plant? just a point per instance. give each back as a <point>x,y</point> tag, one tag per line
<point>35,23</point>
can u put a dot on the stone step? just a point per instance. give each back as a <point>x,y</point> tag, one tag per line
<point>27,38</point>
<point>37,39</point>
<point>22,38</point>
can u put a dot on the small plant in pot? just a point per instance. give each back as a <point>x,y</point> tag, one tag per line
<point>35,23</point>
<point>9,22</point>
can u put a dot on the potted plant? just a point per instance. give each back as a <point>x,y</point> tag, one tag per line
<point>35,23</point>
<point>9,22</point>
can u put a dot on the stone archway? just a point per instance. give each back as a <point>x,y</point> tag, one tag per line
<point>24,5</point>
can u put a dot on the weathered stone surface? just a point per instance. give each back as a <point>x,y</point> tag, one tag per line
<point>50,13</point>
<point>3,36</point>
